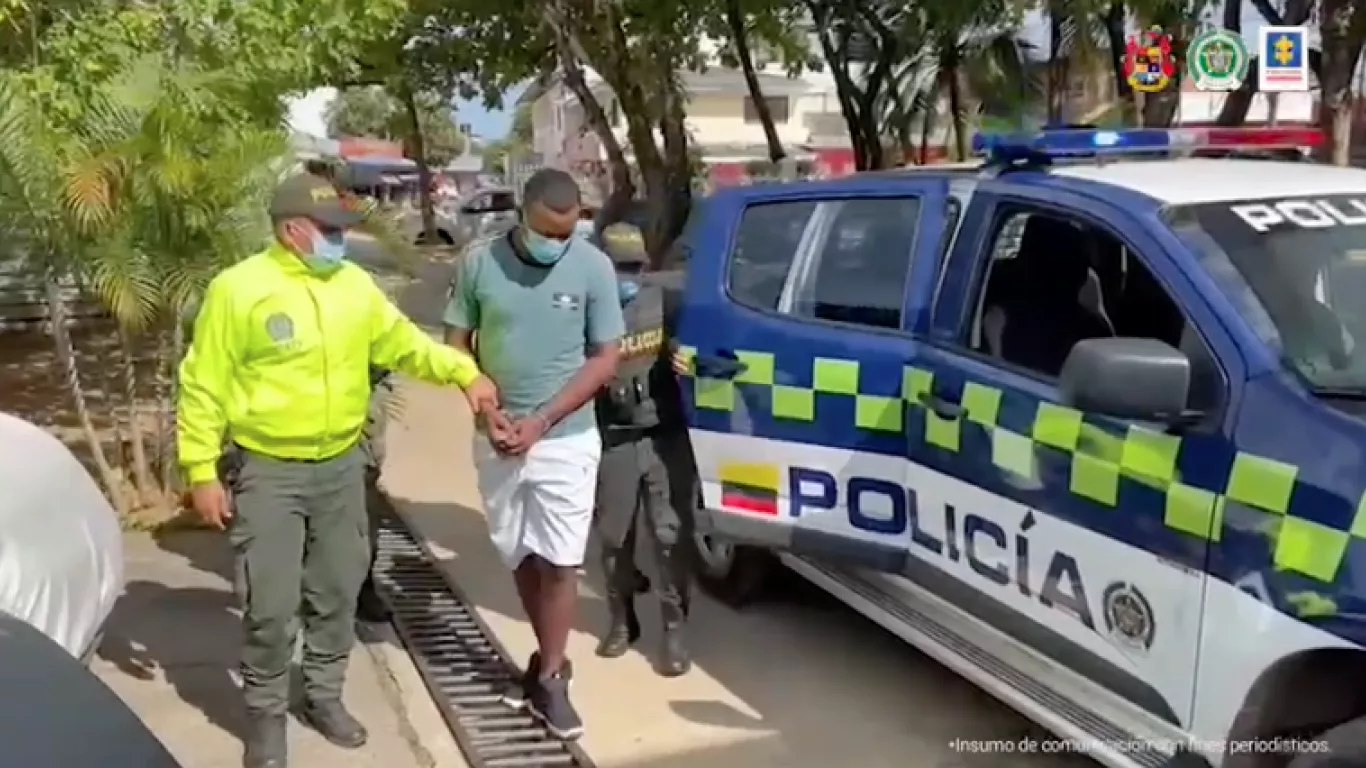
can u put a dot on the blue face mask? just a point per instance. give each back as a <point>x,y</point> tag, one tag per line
<point>543,250</point>
<point>328,252</point>
<point>627,290</point>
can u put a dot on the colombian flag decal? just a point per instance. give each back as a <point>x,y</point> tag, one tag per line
<point>750,488</point>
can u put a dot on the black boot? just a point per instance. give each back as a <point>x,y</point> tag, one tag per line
<point>624,582</point>
<point>623,629</point>
<point>674,599</point>
<point>674,660</point>
<point>334,723</point>
<point>370,607</point>
<point>267,742</point>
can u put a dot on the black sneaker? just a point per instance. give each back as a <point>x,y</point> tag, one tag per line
<point>267,742</point>
<point>549,703</point>
<point>515,694</point>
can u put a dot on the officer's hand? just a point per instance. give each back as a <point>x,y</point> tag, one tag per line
<point>211,502</point>
<point>679,362</point>
<point>497,425</point>
<point>525,432</point>
<point>483,396</point>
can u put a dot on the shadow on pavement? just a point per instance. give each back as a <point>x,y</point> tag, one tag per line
<point>757,655</point>
<point>464,535</point>
<point>206,550</point>
<point>189,635</point>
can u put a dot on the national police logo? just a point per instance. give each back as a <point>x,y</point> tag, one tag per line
<point>280,328</point>
<point>1128,616</point>
<point>1218,61</point>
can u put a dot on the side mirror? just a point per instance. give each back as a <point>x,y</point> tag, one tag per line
<point>1141,379</point>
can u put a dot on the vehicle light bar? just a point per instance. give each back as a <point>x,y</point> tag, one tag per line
<point>1091,142</point>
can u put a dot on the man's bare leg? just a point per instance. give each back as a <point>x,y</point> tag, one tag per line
<point>527,577</point>
<point>558,598</point>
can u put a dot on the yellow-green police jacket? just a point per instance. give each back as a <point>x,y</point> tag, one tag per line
<point>280,361</point>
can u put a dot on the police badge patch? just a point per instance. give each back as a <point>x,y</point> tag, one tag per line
<point>1128,616</point>
<point>280,328</point>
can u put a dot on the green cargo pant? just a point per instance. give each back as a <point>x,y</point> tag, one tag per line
<point>300,539</point>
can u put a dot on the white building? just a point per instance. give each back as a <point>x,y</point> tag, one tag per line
<point>721,116</point>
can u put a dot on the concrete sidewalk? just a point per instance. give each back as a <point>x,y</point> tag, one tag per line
<point>170,652</point>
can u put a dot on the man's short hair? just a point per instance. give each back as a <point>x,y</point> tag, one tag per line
<point>552,188</point>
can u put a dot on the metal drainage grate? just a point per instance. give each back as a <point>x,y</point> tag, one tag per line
<point>463,665</point>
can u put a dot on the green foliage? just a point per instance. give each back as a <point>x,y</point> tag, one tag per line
<point>371,111</point>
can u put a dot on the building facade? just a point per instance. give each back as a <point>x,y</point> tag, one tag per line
<point>722,120</point>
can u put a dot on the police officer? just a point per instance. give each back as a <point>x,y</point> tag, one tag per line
<point>370,607</point>
<point>644,492</point>
<point>280,366</point>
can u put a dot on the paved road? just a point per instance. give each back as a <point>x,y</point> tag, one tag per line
<point>799,682</point>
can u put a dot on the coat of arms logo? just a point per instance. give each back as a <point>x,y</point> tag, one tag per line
<point>1148,61</point>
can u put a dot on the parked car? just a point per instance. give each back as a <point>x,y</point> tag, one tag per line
<point>1086,423</point>
<point>59,715</point>
<point>61,551</point>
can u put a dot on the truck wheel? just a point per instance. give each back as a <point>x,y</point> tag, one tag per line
<point>1343,746</point>
<point>732,573</point>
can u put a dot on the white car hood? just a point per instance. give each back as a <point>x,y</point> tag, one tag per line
<point>61,551</point>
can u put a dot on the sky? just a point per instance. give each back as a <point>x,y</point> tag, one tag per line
<point>306,113</point>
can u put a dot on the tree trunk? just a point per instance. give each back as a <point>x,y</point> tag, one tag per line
<point>735,19</point>
<point>417,150</point>
<point>926,127</point>
<point>66,355</point>
<point>1114,35</point>
<point>623,187</point>
<point>172,460</point>
<point>1054,66</point>
<point>1341,33</point>
<point>161,383</point>
<point>145,487</point>
<point>960,118</point>
<point>1159,109</point>
<point>677,164</point>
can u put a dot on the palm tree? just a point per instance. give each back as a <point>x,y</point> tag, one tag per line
<point>990,62</point>
<point>37,220</point>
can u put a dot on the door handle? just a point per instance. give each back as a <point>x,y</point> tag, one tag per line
<point>944,409</point>
<point>719,366</point>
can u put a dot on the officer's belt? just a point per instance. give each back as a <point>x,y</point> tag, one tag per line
<point>290,460</point>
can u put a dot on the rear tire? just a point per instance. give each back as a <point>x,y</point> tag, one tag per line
<point>1342,746</point>
<point>734,574</point>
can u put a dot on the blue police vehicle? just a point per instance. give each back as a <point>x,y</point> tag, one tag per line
<point>1085,422</point>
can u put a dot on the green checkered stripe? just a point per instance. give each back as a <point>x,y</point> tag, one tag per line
<point>1100,460</point>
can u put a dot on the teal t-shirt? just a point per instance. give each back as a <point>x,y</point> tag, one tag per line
<point>535,323</point>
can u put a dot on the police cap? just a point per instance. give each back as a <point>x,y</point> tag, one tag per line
<point>307,196</point>
<point>624,244</point>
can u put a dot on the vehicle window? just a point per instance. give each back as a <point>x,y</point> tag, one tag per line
<point>1053,282</point>
<point>1296,269</point>
<point>502,201</point>
<point>862,265</point>
<point>765,246</point>
<point>477,204</point>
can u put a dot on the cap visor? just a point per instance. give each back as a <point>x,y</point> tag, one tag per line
<point>339,217</point>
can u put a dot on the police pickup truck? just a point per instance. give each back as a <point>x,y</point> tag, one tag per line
<point>1086,423</point>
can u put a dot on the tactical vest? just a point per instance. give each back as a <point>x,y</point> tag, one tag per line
<point>644,393</point>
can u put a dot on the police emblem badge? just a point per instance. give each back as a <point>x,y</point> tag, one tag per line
<point>279,327</point>
<point>1128,616</point>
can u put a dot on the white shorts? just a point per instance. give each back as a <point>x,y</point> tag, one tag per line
<point>540,503</point>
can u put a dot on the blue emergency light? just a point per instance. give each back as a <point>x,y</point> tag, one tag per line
<point>1091,142</point>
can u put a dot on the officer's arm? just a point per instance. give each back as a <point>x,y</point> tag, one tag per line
<point>400,345</point>
<point>206,376</point>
